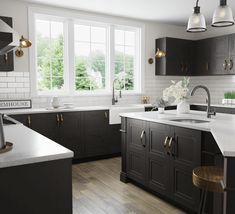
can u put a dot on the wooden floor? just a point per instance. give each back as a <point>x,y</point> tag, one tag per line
<point>97,190</point>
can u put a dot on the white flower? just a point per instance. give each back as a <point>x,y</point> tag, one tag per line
<point>177,90</point>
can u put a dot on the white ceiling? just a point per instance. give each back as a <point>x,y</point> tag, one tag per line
<point>168,11</point>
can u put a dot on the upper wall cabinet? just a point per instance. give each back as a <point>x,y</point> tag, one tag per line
<point>213,56</point>
<point>178,60</point>
<point>7,60</point>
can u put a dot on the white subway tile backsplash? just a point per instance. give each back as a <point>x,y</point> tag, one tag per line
<point>22,79</point>
<point>3,84</point>
<point>22,90</point>
<point>15,74</point>
<point>7,90</point>
<point>7,79</point>
<point>15,85</point>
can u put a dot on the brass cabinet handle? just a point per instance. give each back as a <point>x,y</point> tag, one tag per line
<point>29,121</point>
<point>225,64</point>
<point>165,142</point>
<point>105,114</point>
<point>207,66</point>
<point>61,119</point>
<point>58,120</point>
<point>141,138</point>
<point>231,64</point>
<point>122,131</point>
<point>169,146</point>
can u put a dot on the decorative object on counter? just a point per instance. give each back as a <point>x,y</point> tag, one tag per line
<point>223,15</point>
<point>15,104</point>
<point>196,22</point>
<point>24,43</point>
<point>179,91</point>
<point>145,99</point>
<point>55,102</point>
<point>160,105</point>
<point>4,146</point>
<point>229,98</point>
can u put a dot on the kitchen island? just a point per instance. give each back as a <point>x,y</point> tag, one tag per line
<point>36,175</point>
<point>159,152</point>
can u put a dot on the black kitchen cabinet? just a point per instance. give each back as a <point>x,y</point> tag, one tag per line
<point>162,158</point>
<point>6,60</point>
<point>212,56</point>
<point>100,138</point>
<point>137,138</point>
<point>179,57</point>
<point>88,134</point>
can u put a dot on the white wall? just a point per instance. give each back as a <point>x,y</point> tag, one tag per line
<point>17,84</point>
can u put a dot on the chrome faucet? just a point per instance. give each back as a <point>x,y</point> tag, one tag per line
<point>209,112</point>
<point>115,99</point>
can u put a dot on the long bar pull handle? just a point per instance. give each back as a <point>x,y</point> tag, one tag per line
<point>58,120</point>
<point>169,146</point>
<point>61,119</point>
<point>141,138</point>
<point>165,142</point>
<point>29,121</point>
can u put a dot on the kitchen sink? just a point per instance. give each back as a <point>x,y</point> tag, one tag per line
<point>190,121</point>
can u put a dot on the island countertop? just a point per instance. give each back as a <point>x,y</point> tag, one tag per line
<point>222,126</point>
<point>30,147</point>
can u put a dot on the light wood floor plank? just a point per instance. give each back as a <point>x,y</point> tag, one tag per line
<point>98,190</point>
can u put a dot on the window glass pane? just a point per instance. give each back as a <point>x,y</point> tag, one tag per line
<point>98,35</point>
<point>119,37</point>
<point>125,57</point>
<point>82,49</point>
<point>90,60</point>
<point>129,38</point>
<point>50,55</point>
<point>82,33</point>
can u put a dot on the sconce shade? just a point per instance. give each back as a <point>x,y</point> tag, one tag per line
<point>25,43</point>
<point>223,15</point>
<point>160,54</point>
<point>196,22</point>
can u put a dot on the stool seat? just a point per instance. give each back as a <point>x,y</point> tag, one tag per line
<point>208,178</point>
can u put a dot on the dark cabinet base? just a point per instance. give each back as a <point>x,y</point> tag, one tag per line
<point>37,188</point>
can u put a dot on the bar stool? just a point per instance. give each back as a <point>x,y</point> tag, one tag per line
<point>207,178</point>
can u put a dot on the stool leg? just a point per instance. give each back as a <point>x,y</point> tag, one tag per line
<point>204,202</point>
<point>200,210</point>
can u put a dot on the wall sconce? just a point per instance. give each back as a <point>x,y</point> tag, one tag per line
<point>159,54</point>
<point>24,43</point>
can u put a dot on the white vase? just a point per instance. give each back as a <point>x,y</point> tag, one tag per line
<point>183,107</point>
<point>161,110</point>
<point>55,102</point>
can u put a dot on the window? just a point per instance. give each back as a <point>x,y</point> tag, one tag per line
<point>50,55</point>
<point>90,57</point>
<point>73,56</point>
<point>125,58</point>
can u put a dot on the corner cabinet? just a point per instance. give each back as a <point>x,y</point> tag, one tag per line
<point>162,158</point>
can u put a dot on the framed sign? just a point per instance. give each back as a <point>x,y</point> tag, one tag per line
<point>15,104</point>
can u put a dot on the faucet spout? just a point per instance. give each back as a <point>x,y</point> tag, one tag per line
<point>209,112</point>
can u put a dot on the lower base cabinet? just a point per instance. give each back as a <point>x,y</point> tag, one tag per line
<point>88,134</point>
<point>162,158</point>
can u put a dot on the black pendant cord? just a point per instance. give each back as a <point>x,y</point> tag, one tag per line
<point>197,3</point>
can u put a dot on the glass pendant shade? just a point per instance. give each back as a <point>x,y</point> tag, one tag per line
<point>223,16</point>
<point>196,22</point>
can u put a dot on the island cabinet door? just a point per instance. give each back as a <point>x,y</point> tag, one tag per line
<point>186,155</point>
<point>137,134</point>
<point>158,160</point>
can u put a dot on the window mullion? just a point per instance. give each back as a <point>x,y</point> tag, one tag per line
<point>111,57</point>
<point>70,57</point>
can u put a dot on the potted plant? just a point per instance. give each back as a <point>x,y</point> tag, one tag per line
<point>161,104</point>
<point>229,97</point>
<point>179,91</point>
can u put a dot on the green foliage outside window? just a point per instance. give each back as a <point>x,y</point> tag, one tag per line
<point>51,67</point>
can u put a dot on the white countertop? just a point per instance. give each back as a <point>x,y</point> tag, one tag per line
<point>73,109</point>
<point>222,126</point>
<point>30,147</point>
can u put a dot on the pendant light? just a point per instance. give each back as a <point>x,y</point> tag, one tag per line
<point>196,22</point>
<point>223,15</point>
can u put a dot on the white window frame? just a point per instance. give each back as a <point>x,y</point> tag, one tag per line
<point>69,19</point>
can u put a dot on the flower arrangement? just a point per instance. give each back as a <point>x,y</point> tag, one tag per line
<point>178,90</point>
